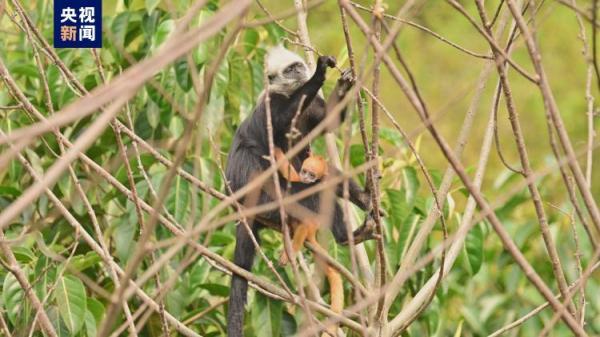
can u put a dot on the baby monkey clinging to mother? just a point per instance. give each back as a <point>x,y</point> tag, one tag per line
<point>292,93</point>
<point>313,168</point>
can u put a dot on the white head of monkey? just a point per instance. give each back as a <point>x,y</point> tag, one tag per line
<point>286,70</point>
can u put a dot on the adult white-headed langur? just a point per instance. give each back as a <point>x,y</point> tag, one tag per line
<point>290,89</point>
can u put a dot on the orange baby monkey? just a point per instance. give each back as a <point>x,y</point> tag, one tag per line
<point>313,169</point>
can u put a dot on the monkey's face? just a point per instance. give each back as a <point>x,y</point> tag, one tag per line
<point>286,80</point>
<point>313,169</point>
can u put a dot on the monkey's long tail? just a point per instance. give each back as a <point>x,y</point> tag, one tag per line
<point>243,257</point>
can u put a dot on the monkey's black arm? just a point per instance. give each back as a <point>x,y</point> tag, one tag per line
<point>303,96</point>
<point>307,92</point>
<point>319,110</point>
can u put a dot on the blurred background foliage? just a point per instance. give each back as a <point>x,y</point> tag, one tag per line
<point>485,289</point>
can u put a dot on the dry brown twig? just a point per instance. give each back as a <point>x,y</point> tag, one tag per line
<point>526,165</point>
<point>130,194</point>
<point>13,267</point>
<point>148,232</point>
<point>553,115</point>
<point>458,167</point>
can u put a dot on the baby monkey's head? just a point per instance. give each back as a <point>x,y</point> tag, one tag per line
<point>313,169</point>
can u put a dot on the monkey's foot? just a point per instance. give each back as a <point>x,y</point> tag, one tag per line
<point>366,231</point>
<point>345,82</point>
<point>283,258</point>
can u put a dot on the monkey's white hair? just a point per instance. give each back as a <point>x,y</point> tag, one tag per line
<point>277,60</point>
<point>279,57</point>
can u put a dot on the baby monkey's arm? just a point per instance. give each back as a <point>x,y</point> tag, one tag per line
<point>286,169</point>
<point>313,168</point>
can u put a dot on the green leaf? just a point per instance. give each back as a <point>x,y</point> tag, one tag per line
<point>357,155</point>
<point>391,136</point>
<point>153,114</point>
<point>142,125</point>
<point>82,262</point>
<point>198,274</point>
<point>266,316</point>
<point>96,308</point>
<point>411,182</point>
<point>399,207</point>
<point>59,326</point>
<point>216,289</point>
<point>256,78</point>
<point>151,5</point>
<point>221,239</point>
<point>124,234</point>
<point>511,205</point>
<point>251,39</point>
<point>46,275</point>
<point>25,69</point>
<point>289,327</point>
<point>119,28</point>
<point>176,127</point>
<point>407,231</point>
<point>93,316</point>
<point>149,24</point>
<point>23,255</point>
<point>234,93</point>
<point>90,324</point>
<point>474,248</point>
<point>71,301</point>
<point>12,297</point>
<point>458,331</point>
<point>9,191</point>
<point>66,186</point>
<point>179,198</point>
<point>154,94</point>
<point>182,75</point>
<point>213,116</point>
<point>276,33</point>
<point>163,31</point>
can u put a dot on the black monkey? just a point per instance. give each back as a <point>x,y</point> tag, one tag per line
<point>289,87</point>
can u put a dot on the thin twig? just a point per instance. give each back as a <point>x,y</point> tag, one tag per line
<point>553,114</point>
<point>426,30</point>
<point>15,269</point>
<point>354,255</point>
<point>535,311</point>
<point>374,173</point>
<point>526,166</point>
<point>458,167</point>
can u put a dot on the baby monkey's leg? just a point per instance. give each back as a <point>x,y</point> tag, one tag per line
<point>307,230</point>
<point>336,292</point>
<point>301,233</point>
<point>336,288</point>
